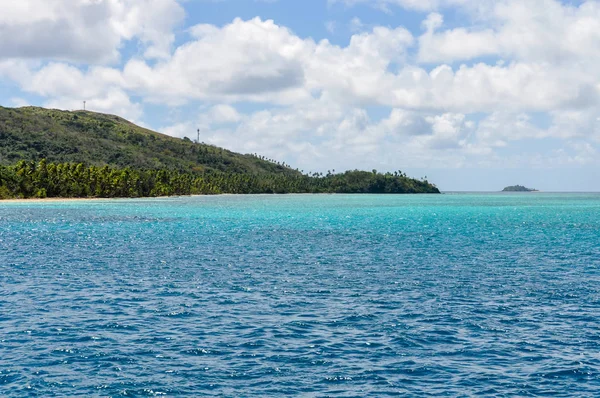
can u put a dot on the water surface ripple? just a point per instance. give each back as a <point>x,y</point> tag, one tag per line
<point>345,296</point>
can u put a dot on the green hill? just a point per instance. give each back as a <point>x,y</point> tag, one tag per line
<point>52,153</point>
<point>33,133</point>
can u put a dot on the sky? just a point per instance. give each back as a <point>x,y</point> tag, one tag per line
<point>475,95</point>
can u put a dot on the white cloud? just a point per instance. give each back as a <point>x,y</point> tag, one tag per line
<point>418,5</point>
<point>576,123</point>
<point>359,72</point>
<point>500,128</point>
<point>317,97</point>
<point>433,22</point>
<point>453,44</point>
<point>19,102</point>
<point>323,133</point>
<point>532,31</point>
<point>331,26</point>
<point>66,87</point>
<point>113,101</point>
<point>224,114</point>
<point>15,70</point>
<point>356,24</point>
<point>254,60</point>
<point>486,88</point>
<point>260,61</point>
<point>85,30</point>
<point>180,130</point>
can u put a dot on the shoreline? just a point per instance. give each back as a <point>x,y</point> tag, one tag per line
<point>49,200</point>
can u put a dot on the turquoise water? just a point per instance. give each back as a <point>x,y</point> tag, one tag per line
<point>447,295</point>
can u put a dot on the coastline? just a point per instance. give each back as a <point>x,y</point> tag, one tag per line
<point>50,200</point>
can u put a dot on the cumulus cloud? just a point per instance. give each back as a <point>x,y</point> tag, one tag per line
<point>66,87</point>
<point>322,135</point>
<point>576,124</point>
<point>260,61</point>
<point>457,95</point>
<point>85,31</point>
<point>532,31</point>
<point>224,114</point>
<point>418,5</point>
<point>112,101</point>
<point>254,60</point>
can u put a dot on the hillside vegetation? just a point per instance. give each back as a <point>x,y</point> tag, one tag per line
<point>32,133</point>
<point>51,153</point>
<point>518,188</point>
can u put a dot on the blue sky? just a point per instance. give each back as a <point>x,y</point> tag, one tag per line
<point>475,95</point>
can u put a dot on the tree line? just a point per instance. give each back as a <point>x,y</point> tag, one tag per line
<point>29,179</point>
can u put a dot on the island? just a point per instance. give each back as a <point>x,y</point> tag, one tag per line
<point>49,153</point>
<point>518,188</point>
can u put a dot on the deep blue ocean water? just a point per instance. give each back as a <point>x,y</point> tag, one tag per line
<point>445,295</point>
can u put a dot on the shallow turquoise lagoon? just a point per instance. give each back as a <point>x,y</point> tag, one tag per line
<point>325,295</point>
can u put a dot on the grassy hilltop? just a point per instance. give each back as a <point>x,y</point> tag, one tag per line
<point>32,133</point>
<point>52,153</point>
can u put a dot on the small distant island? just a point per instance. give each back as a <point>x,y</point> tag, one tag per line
<point>518,188</point>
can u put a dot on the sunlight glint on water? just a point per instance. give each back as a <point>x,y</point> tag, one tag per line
<point>467,294</point>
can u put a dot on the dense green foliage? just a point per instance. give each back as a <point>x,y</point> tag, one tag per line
<point>518,188</point>
<point>49,153</point>
<point>97,139</point>
<point>70,180</point>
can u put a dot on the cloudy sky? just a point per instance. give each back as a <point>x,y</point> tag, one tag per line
<point>473,94</point>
